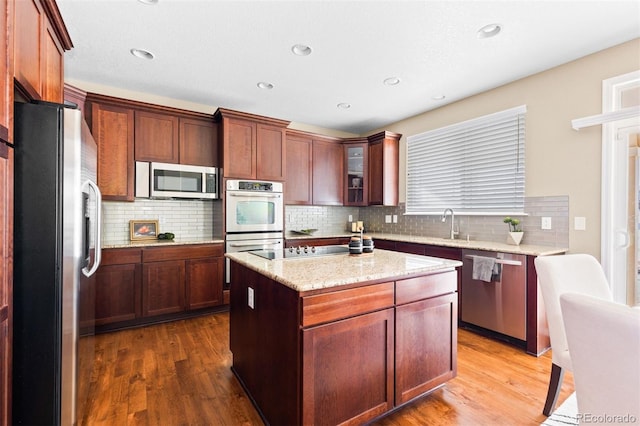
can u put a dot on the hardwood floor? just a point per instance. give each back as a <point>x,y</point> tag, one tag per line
<point>179,373</point>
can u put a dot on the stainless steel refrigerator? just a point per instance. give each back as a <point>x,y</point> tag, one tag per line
<point>57,220</point>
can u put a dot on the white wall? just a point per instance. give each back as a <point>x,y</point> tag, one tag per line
<point>560,161</point>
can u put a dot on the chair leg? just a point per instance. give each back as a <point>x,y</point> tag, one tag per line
<point>555,383</point>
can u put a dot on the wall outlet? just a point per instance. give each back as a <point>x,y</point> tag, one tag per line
<point>580,223</point>
<point>546,223</point>
<point>395,218</point>
<point>250,299</point>
<point>387,218</point>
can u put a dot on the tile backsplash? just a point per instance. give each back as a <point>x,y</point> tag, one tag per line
<point>188,219</point>
<point>202,220</point>
<point>327,220</point>
<point>332,220</point>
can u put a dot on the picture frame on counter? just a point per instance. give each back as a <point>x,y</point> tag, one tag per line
<point>143,230</point>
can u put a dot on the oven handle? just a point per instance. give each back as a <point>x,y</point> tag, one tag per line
<point>253,194</point>
<point>268,243</point>
<point>499,261</point>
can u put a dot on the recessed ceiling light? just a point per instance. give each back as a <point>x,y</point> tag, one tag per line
<point>149,2</point>
<point>438,97</point>
<point>301,50</point>
<point>344,105</point>
<point>141,53</point>
<point>490,30</point>
<point>391,81</point>
<point>265,85</point>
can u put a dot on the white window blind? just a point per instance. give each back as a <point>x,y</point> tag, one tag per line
<point>476,166</point>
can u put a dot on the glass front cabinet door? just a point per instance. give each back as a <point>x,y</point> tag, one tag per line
<point>356,157</point>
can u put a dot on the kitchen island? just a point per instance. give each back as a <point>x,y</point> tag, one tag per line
<point>341,339</point>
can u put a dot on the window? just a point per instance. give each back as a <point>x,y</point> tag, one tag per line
<point>476,166</point>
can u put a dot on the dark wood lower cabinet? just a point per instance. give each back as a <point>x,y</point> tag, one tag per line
<point>347,371</point>
<point>117,293</point>
<point>137,285</point>
<point>202,276</point>
<point>341,356</point>
<point>426,341</point>
<point>163,287</point>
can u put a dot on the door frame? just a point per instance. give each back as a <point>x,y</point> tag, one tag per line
<point>615,189</point>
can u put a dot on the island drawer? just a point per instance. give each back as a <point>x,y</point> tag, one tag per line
<point>419,288</point>
<point>336,305</point>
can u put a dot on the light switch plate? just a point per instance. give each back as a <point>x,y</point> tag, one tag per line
<point>387,218</point>
<point>395,218</point>
<point>546,223</point>
<point>580,223</point>
<point>350,218</point>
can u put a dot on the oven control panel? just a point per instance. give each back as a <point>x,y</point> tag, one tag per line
<point>253,185</point>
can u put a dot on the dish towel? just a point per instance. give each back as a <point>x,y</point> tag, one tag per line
<point>483,268</point>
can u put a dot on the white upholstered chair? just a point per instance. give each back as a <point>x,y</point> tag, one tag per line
<point>604,341</point>
<point>570,273</point>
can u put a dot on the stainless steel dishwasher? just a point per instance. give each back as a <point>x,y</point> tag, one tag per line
<point>499,305</point>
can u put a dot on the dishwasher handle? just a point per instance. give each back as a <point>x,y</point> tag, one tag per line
<point>499,261</point>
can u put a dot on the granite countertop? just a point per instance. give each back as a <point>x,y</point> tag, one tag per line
<point>526,249</point>
<point>305,274</point>
<point>152,243</point>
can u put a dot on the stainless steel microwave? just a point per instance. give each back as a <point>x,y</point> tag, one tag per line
<point>165,180</point>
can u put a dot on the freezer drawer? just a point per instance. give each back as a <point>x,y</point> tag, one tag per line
<point>501,304</point>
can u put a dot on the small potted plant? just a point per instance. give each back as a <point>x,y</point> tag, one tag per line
<point>515,231</point>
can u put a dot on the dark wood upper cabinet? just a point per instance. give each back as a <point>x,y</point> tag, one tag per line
<point>39,41</point>
<point>328,173</point>
<point>270,152</point>
<point>170,138</point>
<point>112,128</point>
<point>384,157</point>
<point>127,131</point>
<point>254,147</point>
<point>198,142</point>
<point>298,188</point>
<point>239,149</point>
<point>6,78</point>
<point>6,279</point>
<point>156,137</point>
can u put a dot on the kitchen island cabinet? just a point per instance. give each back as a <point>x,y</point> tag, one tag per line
<point>321,335</point>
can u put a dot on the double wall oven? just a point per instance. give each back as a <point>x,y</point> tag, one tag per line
<point>254,216</point>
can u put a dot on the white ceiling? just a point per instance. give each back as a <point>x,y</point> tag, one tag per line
<point>215,52</point>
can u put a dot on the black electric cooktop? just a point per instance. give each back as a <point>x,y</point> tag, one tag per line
<point>300,252</point>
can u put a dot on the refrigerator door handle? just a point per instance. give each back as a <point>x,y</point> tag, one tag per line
<point>98,230</point>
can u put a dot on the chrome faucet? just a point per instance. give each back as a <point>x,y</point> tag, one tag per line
<point>453,232</point>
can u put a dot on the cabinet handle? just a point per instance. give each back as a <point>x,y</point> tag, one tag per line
<point>254,194</point>
<point>499,261</point>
